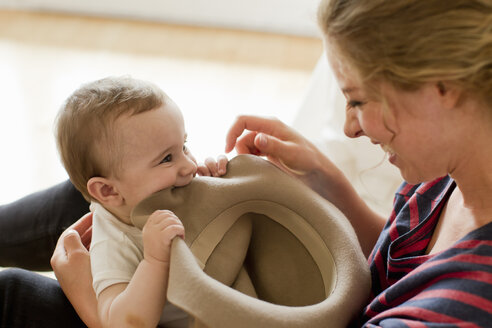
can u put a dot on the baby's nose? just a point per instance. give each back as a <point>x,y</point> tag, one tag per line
<point>188,167</point>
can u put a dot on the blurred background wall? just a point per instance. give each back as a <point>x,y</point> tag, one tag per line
<point>296,17</point>
<point>216,58</point>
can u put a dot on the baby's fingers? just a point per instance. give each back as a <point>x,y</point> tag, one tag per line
<point>222,161</point>
<point>174,230</point>
<point>202,170</point>
<point>212,166</point>
<point>160,215</point>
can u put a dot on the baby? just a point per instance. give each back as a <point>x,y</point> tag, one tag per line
<point>121,140</point>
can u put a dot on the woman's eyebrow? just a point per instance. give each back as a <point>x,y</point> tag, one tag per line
<point>348,90</point>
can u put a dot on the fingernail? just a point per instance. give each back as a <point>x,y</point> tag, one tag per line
<point>262,140</point>
<point>72,232</point>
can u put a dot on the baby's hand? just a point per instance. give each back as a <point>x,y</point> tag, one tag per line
<point>158,232</point>
<point>213,168</point>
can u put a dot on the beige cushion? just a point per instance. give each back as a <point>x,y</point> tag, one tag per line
<point>273,252</point>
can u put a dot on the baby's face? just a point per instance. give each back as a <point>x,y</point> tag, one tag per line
<point>155,156</point>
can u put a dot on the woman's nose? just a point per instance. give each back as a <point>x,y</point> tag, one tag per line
<point>352,127</point>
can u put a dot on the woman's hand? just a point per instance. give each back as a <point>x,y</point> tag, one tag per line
<point>71,264</point>
<point>283,146</point>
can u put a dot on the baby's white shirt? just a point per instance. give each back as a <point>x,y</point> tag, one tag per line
<point>116,250</point>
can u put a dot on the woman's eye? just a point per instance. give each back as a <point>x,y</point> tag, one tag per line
<point>167,159</point>
<point>354,103</point>
<point>185,149</point>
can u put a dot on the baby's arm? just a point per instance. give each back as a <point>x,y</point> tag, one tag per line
<point>212,167</point>
<point>140,302</point>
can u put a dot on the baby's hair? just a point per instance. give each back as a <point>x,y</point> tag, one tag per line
<point>84,127</point>
<point>411,42</point>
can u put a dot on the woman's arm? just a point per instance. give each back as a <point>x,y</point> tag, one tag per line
<point>298,157</point>
<point>71,264</point>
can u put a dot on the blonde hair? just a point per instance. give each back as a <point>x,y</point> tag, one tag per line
<point>411,42</point>
<point>84,126</point>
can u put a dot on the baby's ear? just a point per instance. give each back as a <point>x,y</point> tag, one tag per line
<point>104,191</point>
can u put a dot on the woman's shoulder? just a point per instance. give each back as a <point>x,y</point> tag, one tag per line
<point>455,284</point>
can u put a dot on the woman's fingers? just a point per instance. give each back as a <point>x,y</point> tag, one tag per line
<point>246,144</point>
<point>77,235</point>
<point>84,227</point>
<point>270,126</point>
<point>73,243</point>
<point>86,238</point>
<point>69,243</point>
<point>271,146</point>
<point>284,154</point>
<point>59,254</point>
<point>262,144</point>
<point>269,137</point>
<point>83,224</point>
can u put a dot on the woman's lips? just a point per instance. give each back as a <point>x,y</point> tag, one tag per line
<point>392,158</point>
<point>391,153</point>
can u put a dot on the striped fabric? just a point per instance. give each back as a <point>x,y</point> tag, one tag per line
<point>452,288</point>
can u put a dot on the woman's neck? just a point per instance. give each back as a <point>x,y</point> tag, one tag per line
<point>472,168</point>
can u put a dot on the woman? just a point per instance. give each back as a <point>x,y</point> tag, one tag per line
<point>417,76</point>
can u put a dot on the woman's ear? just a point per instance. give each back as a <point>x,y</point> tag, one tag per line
<point>104,191</point>
<point>449,93</point>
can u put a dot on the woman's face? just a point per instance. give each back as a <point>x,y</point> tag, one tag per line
<point>409,126</point>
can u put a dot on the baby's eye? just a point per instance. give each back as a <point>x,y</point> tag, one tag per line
<point>167,159</point>
<point>185,149</point>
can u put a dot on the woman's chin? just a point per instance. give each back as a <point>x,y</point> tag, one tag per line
<point>415,178</point>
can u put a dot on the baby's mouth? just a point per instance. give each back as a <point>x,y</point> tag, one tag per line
<point>190,178</point>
